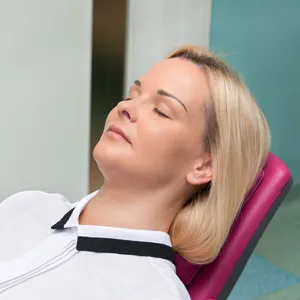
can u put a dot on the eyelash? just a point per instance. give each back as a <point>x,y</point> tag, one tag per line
<point>154,109</point>
<point>160,113</point>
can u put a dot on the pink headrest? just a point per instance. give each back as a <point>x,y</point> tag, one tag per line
<point>216,280</point>
<point>187,271</point>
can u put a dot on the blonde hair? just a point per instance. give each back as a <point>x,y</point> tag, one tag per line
<point>238,138</point>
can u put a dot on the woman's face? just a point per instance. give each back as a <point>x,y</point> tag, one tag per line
<point>163,120</point>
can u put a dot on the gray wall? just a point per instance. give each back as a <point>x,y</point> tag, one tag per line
<point>45,96</point>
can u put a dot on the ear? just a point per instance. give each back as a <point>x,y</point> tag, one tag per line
<point>201,171</point>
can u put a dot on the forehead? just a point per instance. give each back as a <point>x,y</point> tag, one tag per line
<point>178,76</point>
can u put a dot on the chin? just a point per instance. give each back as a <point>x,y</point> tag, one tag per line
<point>110,158</point>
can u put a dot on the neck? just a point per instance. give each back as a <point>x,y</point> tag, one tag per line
<point>131,208</point>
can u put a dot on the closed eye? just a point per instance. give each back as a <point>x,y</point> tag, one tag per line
<point>160,113</point>
<point>154,109</point>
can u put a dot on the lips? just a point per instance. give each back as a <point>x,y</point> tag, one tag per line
<point>119,132</point>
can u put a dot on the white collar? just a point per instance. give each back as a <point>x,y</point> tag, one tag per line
<point>114,239</point>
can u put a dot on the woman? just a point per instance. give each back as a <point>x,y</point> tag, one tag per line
<point>178,155</point>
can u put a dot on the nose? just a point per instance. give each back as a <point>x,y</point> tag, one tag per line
<point>125,110</point>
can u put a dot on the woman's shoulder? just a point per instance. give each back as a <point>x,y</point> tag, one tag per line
<point>26,218</point>
<point>167,284</point>
<point>33,206</point>
<point>34,200</point>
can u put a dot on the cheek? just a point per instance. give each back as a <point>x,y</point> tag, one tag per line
<point>165,142</point>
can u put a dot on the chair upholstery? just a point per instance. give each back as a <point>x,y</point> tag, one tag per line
<point>216,280</point>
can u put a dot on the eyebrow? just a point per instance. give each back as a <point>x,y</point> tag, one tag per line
<point>164,93</point>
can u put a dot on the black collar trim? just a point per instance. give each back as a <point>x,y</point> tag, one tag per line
<point>106,245</point>
<point>62,222</point>
<point>118,246</point>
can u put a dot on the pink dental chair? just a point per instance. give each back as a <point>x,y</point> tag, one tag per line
<point>216,280</point>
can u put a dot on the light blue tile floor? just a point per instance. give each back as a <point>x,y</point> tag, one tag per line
<point>273,272</point>
<point>261,278</point>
